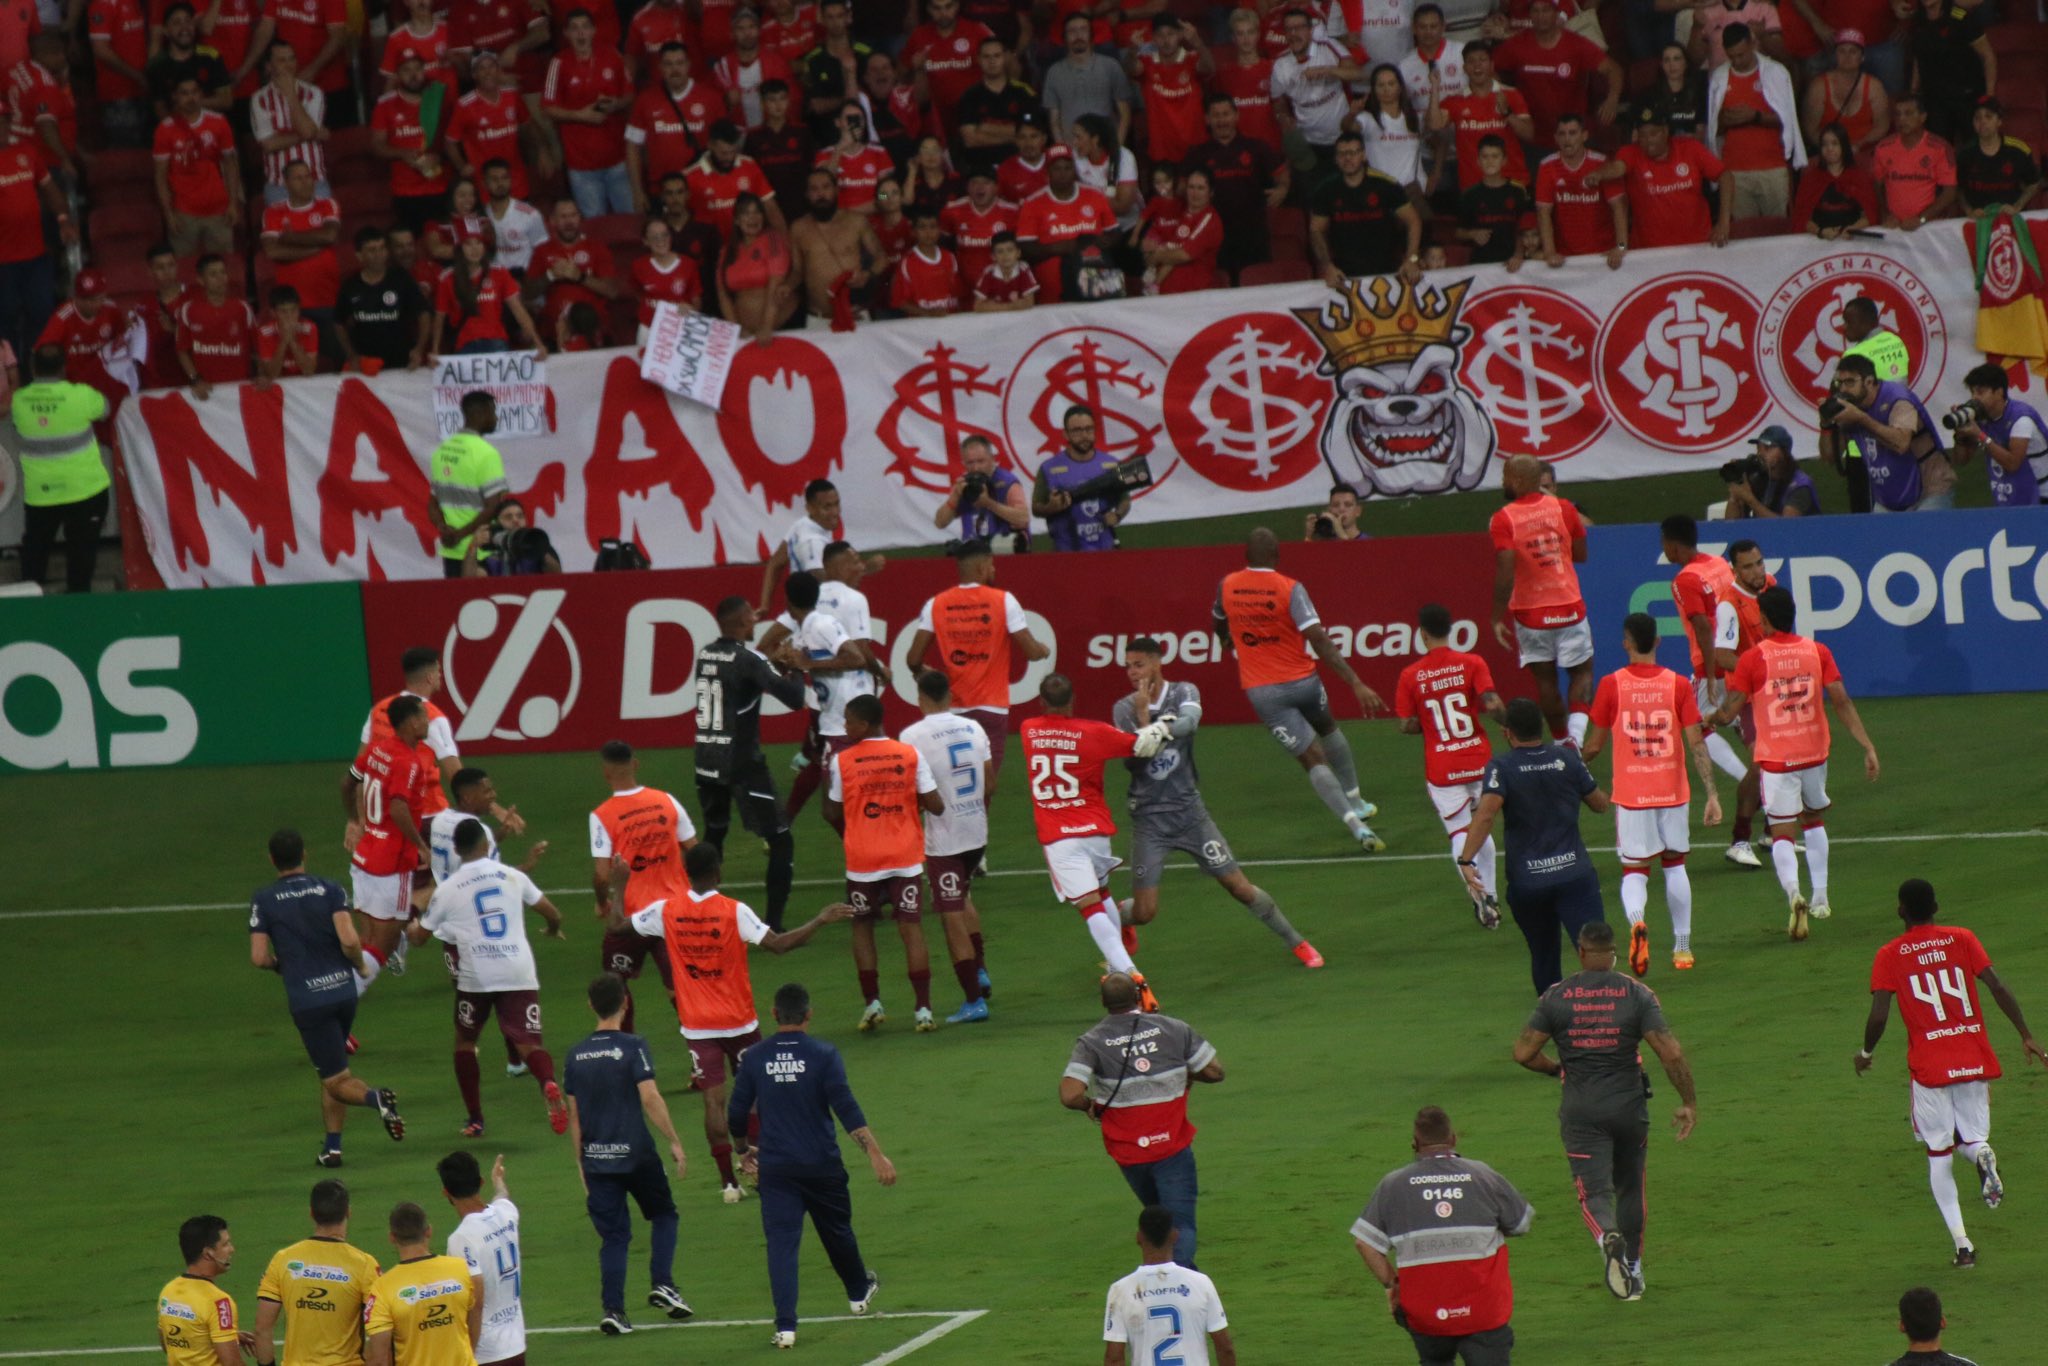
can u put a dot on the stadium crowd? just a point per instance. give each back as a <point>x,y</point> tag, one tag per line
<point>260,189</point>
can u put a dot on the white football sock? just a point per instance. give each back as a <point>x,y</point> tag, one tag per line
<point>1678,897</point>
<point>1941,1174</point>
<point>1785,862</point>
<point>1968,1152</point>
<point>1635,894</point>
<point>1817,860</point>
<point>1575,725</point>
<point>1108,937</point>
<point>373,966</point>
<point>1489,873</point>
<point>1724,756</point>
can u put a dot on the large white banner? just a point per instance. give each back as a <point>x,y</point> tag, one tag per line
<point>1243,400</point>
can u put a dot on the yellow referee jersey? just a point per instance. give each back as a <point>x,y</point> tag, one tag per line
<point>424,1304</point>
<point>192,1313</point>
<point>321,1284</point>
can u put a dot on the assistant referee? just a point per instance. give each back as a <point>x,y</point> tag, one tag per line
<point>799,1085</point>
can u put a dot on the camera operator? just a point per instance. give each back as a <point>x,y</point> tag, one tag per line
<point>1769,483</point>
<point>1908,470</point>
<point>1864,335</point>
<point>2011,434</point>
<point>1337,520</point>
<point>988,500</point>
<point>1084,523</point>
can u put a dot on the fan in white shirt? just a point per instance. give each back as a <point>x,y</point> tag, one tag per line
<point>516,226</point>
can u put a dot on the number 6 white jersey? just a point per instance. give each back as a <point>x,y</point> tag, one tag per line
<point>1164,1312</point>
<point>480,909</point>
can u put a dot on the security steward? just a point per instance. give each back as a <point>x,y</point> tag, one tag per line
<point>64,482</point>
<point>467,476</point>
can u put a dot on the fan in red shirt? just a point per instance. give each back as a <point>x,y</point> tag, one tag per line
<point>198,176</point>
<point>1577,215</point>
<point>287,342</point>
<point>1554,69</point>
<point>1667,178</point>
<point>317,33</point>
<point>1051,224</point>
<point>381,794</point>
<point>790,29</point>
<point>971,223</point>
<point>470,303</point>
<point>120,48</point>
<point>1441,697</point>
<point>1169,75</point>
<point>160,370</point>
<point>742,72</point>
<point>663,276</point>
<point>419,178</point>
<point>670,122</point>
<point>575,268</point>
<point>1006,284</point>
<point>44,106</point>
<point>652,30</point>
<point>927,282</point>
<point>513,29</point>
<point>1932,971</point>
<point>1065,758</point>
<point>1245,73</point>
<point>298,237</point>
<point>234,27</point>
<point>89,328</point>
<point>587,95</point>
<point>1180,250</point>
<point>1024,174</point>
<point>486,124</point>
<point>215,330</point>
<point>1488,107</point>
<point>722,175</point>
<point>943,51</point>
<point>424,35</point>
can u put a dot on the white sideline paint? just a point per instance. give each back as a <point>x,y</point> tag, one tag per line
<point>1357,860</point>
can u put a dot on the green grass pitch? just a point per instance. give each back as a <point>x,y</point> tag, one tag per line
<point>152,1074</point>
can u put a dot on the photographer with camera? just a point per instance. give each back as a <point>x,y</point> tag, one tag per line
<point>988,500</point>
<point>1082,494</point>
<point>2011,434</point>
<point>1769,483</point>
<point>1337,520</point>
<point>1908,470</point>
<point>1863,334</point>
<point>510,545</point>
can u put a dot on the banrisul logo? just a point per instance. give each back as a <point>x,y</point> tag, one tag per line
<point>48,705</point>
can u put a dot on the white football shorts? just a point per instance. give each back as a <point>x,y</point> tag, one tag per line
<point>1080,866</point>
<point>1789,793</point>
<point>1944,1116</point>
<point>1454,804</point>
<point>382,896</point>
<point>1641,833</point>
<point>1565,646</point>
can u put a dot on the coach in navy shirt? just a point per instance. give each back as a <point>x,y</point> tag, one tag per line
<point>609,1079</point>
<point>1552,886</point>
<point>300,928</point>
<point>799,1085</point>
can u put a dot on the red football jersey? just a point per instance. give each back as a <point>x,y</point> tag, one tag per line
<point>949,63</point>
<point>794,37</point>
<point>389,772</point>
<point>1933,971</point>
<point>670,129</point>
<point>488,130</point>
<point>1017,179</point>
<point>217,337</point>
<point>431,48</point>
<point>121,24</point>
<point>398,118</point>
<point>578,83</point>
<point>1667,199</point>
<point>972,231</point>
<point>1251,89</point>
<point>1173,105</point>
<point>713,192</point>
<point>1699,586</point>
<point>270,341</point>
<point>1785,679</point>
<point>305,25</point>
<point>318,277</point>
<point>858,174</point>
<point>999,288</point>
<point>1442,690</point>
<point>1044,218</point>
<point>653,29</point>
<point>929,284</point>
<point>679,285</point>
<point>591,256</point>
<point>194,154</point>
<point>1581,224</point>
<point>1065,757</point>
<point>1475,116</point>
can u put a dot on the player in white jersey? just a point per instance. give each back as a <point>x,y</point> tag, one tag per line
<point>475,795</point>
<point>840,598</point>
<point>1163,1310</point>
<point>488,1239</point>
<point>840,666</point>
<point>805,545</point>
<point>957,751</point>
<point>479,913</point>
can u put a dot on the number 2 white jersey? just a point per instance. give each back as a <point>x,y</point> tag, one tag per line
<point>956,750</point>
<point>441,841</point>
<point>481,910</point>
<point>489,1241</point>
<point>1164,1312</point>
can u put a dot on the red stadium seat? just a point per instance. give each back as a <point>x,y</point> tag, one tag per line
<point>2026,88</point>
<point>117,169</point>
<point>2029,126</point>
<point>127,272</point>
<point>1457,254</point>
<point>132,215</point>
<point>1287,224</point>
<point>1760,227</point>
<point>1275,273</point>
<point>1288,249</point>
<point>350,145</point>
<point>621,320</point>
<point>616,230</point>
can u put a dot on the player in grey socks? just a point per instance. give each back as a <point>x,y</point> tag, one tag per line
<point>1167,811</point>
<point>1599,1019</point>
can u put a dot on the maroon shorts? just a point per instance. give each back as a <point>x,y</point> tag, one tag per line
<point>996,725</point>
<point>713,1060</point>
<point>905,894</point>
<point>952,876</point>
<point>518,1015</point>
<point>624,951</point>
<point>814,744</point>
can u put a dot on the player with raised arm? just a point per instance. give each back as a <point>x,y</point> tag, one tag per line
<point>1701,584</point>
<point>839,598</point>
<point>379,791</point>
<point>707,935</point>
<point>957,752</point>
<point>976,626</point>
<point>1788,675</point>
<point>732,677</point>
<point>1738,626</point>
<point>649,829</point>
<point>1266,620</point>
<point>1065,757</point>
<point>805,548</point>
<point>1441,697</point>
<point>1164,1311</point>
<point>1933,971</point>
<point>1537,538</point>
<point>1167,811</point>
<point>479,913</point>
<point>878,792</point>
<point>1653,709</point>
<point>488,1240</point>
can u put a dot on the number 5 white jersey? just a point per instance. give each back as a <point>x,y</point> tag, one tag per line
<point>1164,1312</point>
<point>481,910</point>
<point>956,750</point>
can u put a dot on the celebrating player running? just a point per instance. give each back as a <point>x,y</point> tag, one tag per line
<point>1537,538</point>
<point>1441,697</point>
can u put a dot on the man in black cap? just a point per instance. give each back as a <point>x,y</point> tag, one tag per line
<point>1785,490</point>
<point>1666,176</point>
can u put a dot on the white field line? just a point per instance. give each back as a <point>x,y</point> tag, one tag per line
<point>952,1319</point>
<point>1355,860</point>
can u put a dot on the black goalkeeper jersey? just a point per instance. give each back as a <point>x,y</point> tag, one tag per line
<point>731,678</point>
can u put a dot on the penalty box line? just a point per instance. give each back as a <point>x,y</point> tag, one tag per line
<point>949,1321</point>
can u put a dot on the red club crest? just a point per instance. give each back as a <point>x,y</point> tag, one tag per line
<point>1244,404</point>
<point>1530,361</point>
<point>1676,367</point>
<point>1114,376</point>
<point>940,402</point>
<point>1800,337</point>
